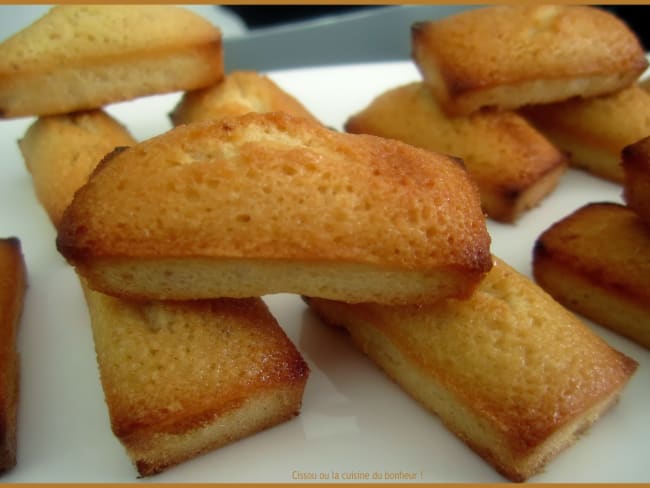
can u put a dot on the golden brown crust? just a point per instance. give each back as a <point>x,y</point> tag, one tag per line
<point>509,370</point>
<point>181,378</point>
<point>595,262</point>
<point>514,166</point>
<point>512,55</point>
<point>275,189</point>
<point>636,177</point>
<point>61,151</point>
<point>238,93</point>
<point>93,55</point>
<point>595,130</point>
<point>12,292</point>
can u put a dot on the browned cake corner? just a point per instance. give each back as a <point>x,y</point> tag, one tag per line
<point>636,177</point>
<point>593,131</point>
<point>238,93</point>
<point>79,57</point>
<point>596,261</point>
<point>462,359</point>
<point>268,203</point>
<point>183,378</point>
<point>13,278</point>
<point>61,151</point>
<point>513,55</point>
<point>513,165</point>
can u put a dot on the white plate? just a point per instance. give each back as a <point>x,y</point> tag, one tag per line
<point>353,420</point>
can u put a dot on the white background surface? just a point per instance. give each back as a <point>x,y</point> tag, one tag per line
<point>353,418</point>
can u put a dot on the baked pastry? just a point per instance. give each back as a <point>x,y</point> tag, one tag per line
<point>508,56</point>
<point>596,262</point>
<point>636,177</point>
<point>238,93</point>
<point>182,378</point>
<point>79,57</point>
<point>594,131</point>
<point>60,152</point>
<point>12,293</point>
<point>269,203</point>
<point>513,165</point>
<point>179,378</point>
<point>510,371</point>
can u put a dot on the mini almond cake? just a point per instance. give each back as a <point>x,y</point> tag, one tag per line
<point>510,371</point>
<point>596,262</point>
<point>182,378</point>
<point>238,93</point>
<point>65,149</point>
<point>79,57</point>
<point>594,131</point>
<point>636,177</point>
<point>270,203</point>
<point>513,165</point>
<point>13,276</point>
<point>508,56</point>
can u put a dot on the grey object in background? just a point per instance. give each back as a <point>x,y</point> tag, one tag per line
<point>378,34</point>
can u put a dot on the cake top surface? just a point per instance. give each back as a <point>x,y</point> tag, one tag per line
<point>272,186</point>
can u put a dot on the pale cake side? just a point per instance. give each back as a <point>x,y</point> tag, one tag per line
<point>79,57</point>
<point>270,203</point>
<point>238,93</point>
<point>462,360</point>
<point>60,152</point>
<point>13,282</point>
<point>183,378</point>
<point>593,131</point>
<point>513,55</point>
<point>513,165</point>
<point>596,261</point>
<point>636,177</point>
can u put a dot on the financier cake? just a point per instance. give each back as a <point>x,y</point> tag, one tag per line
<point>594,131</point>
<point>60,152</point>
<point>513,165</point>
<point>636,177</point>
<point>510,371</point>
<point>179,378</point>
<point>269,203</point>
<point>13,276</point>
<point>238,93</point>
<point>508,56</point>
<point>596,261</point>
<point>79,57</point>
<point>182,378</point>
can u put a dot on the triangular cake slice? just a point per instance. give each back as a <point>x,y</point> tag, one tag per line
<point>270,203</point>
<point>86,56</point>
<point>508,56</point>
<point>238,93</point>
<point>184,378</point>
<point>514,166</point>
<point>510,371</point>
<point>593,131</point>
<point>60,152</point>
<point>180,378</point>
